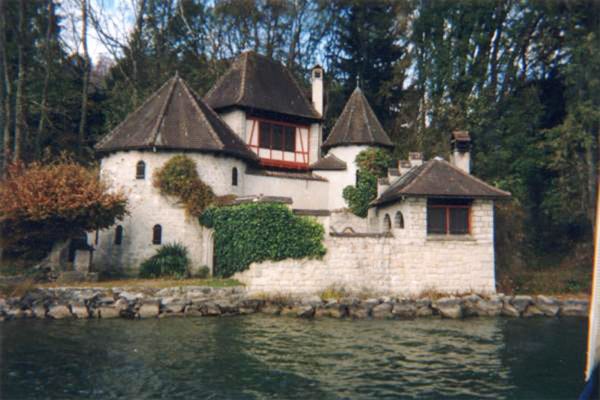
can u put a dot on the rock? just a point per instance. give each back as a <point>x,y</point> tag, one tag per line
<point>173,308</point>
<point>533,311</point>
<point>548,305</point>
<point>574,308</point>
<point>14,312</point>
<point>405,309</point>
<point>227,307</point>
<point>249,306</point>
<point>521,302</point>
<point>104,300</point>
<point>39,311</point>
<point>449,307</point>
<point>271,309</point>
<point>80,311</point>
<point>491,307</point>
<point>131,297</point>
<point>382,311</point>
<point>508,310</point>
<point>470,303</point>
<point>313,300</point>
<point>359,311</point>
<point>423,308</point>
<point>108,312</point>
<point>305,311</point>
<point>210,309</point>
<point>59,312</point>
<point>149,310</point>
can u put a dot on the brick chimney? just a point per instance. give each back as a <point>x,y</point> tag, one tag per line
<point>317,88</point>
<point>460,157</point>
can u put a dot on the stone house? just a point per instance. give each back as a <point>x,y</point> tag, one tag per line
<point>257,136</point>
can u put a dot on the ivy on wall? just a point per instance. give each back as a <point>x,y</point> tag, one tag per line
<point>257,232</point>
<point>372,164</point>
<point>179,178</point>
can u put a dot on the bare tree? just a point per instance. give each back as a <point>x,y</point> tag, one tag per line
<point>47,64</point>
<point>20,106</point>
<point>86,77</point>
<point>7,89</point>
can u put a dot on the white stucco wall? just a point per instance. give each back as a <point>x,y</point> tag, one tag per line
<point>338,180</point>
<point>148,207</point>
<point>306,194</point>
<point>408,263</point>
<point>236,119</point>
<point>316,139</point>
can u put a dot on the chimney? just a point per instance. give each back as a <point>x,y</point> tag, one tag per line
<point>404,166</point>
<point>317,88</point>
<point>393,174</point>
<point>415,159</point>
<point>382,185</point>
<point>460,157</point>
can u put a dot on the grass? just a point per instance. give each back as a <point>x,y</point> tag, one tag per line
<point>158,283</point>
<point>552,281</point>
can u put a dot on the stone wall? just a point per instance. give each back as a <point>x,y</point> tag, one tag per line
<point>408,261</point>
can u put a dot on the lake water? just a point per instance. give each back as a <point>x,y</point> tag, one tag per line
<point>258,357</point>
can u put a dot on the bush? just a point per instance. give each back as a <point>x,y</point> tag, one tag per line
<point>372,164</point>
<point>179,178</point>
<point>257,232</point>
<point>43,204</point>
<point>202,273</point>
<point>170,260</point>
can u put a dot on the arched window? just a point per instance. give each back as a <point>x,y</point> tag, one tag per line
<point>157,234</point>
<point>234,176</point>
<point>387,223</point>
<point>356,178</point>
<point>399,221</point>
<point>140,170</point>
<point>118,235</point>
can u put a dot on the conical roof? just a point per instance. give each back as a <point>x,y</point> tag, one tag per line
<point>357,124</point>
<point>259,83</point>
<point>175,118</point>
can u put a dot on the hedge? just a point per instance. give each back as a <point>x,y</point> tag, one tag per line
<point>257,232</point>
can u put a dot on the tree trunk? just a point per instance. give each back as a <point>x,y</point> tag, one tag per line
<point>5,91</point>
<point>21,114</point>
<point>86,77</point>
<point>48,61</point>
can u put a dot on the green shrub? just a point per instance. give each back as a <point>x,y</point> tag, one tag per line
<point>179,178</point>
<point>202,273</point>
<point>257,232</point>
<point>170,260</point>
<point>372,164</point>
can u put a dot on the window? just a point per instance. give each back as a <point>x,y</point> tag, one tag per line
<point>448,217</point>
<point>387,223</point>
<point>140,170</point>
<point>234,176</point>
<point>277,137</point>
<point>157,234</point>
<point>118,235</point>
<point>399,221</point>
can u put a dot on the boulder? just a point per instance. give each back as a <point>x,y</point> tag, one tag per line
<point>106,312</point>
<point>131,297</point>
<point>249,306</point>
<point>210,309</point>
<point>405,309</point>
<point>423,308</point>
<point>491,307</point>
<point>470,304</point>
<point>548,305</point>
<point>533,311</point>
<point>59,312</point>
<point>80,311</point>
<point>358,311</point>
<point>521,302</point>
<point>149,309</point>
<point>449,307</point>
<point>270,308</point>
<point>227,307</point>
<point>382,311</point>
<point>574,308</point>
<point>39,311</point>
<point>508,310</point>
<point>305,311</point>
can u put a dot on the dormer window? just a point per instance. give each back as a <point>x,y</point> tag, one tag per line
<point>280,144</point>
<point>277,137</point>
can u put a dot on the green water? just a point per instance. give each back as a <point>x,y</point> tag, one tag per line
<point>259,357</point>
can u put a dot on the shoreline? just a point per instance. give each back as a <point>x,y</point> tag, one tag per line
<point>204,301</point>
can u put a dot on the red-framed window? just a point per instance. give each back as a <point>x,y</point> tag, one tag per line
<point>280,144</point>
<point>448,217</point>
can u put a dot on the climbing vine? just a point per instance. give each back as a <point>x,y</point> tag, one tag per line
<point>179,178</point>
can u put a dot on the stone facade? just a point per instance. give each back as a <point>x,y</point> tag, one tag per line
<point>407,261</point>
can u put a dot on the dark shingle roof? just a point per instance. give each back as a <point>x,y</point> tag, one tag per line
<point>357,124</point>
<point>175,118</point>
<point>257,82</point>
<point>439,178</point>
<point>330,162</point>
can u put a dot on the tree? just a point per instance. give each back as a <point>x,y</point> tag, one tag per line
<point>86,78</point>
<point>41,204</point>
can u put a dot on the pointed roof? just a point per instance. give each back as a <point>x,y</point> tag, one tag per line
<point>175,118</point>
<point>357,124</point>
<point>257,82</point>
<point>439,178</point>
<point>329,163</point>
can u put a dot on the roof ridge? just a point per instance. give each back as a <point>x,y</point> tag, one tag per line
<point>163,109</point>
<point>472,176</point>
<point>308,103</point>
<point>427,167</point>
<point>109,136</point>
<point>202,116</point>
<point>365,113</point>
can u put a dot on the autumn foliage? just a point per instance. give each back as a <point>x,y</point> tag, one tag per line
<point>42,204</point>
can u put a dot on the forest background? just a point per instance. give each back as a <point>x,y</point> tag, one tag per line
<point>523,77</point>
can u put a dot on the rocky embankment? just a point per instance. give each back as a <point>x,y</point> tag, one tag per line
<point>84,303</point>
